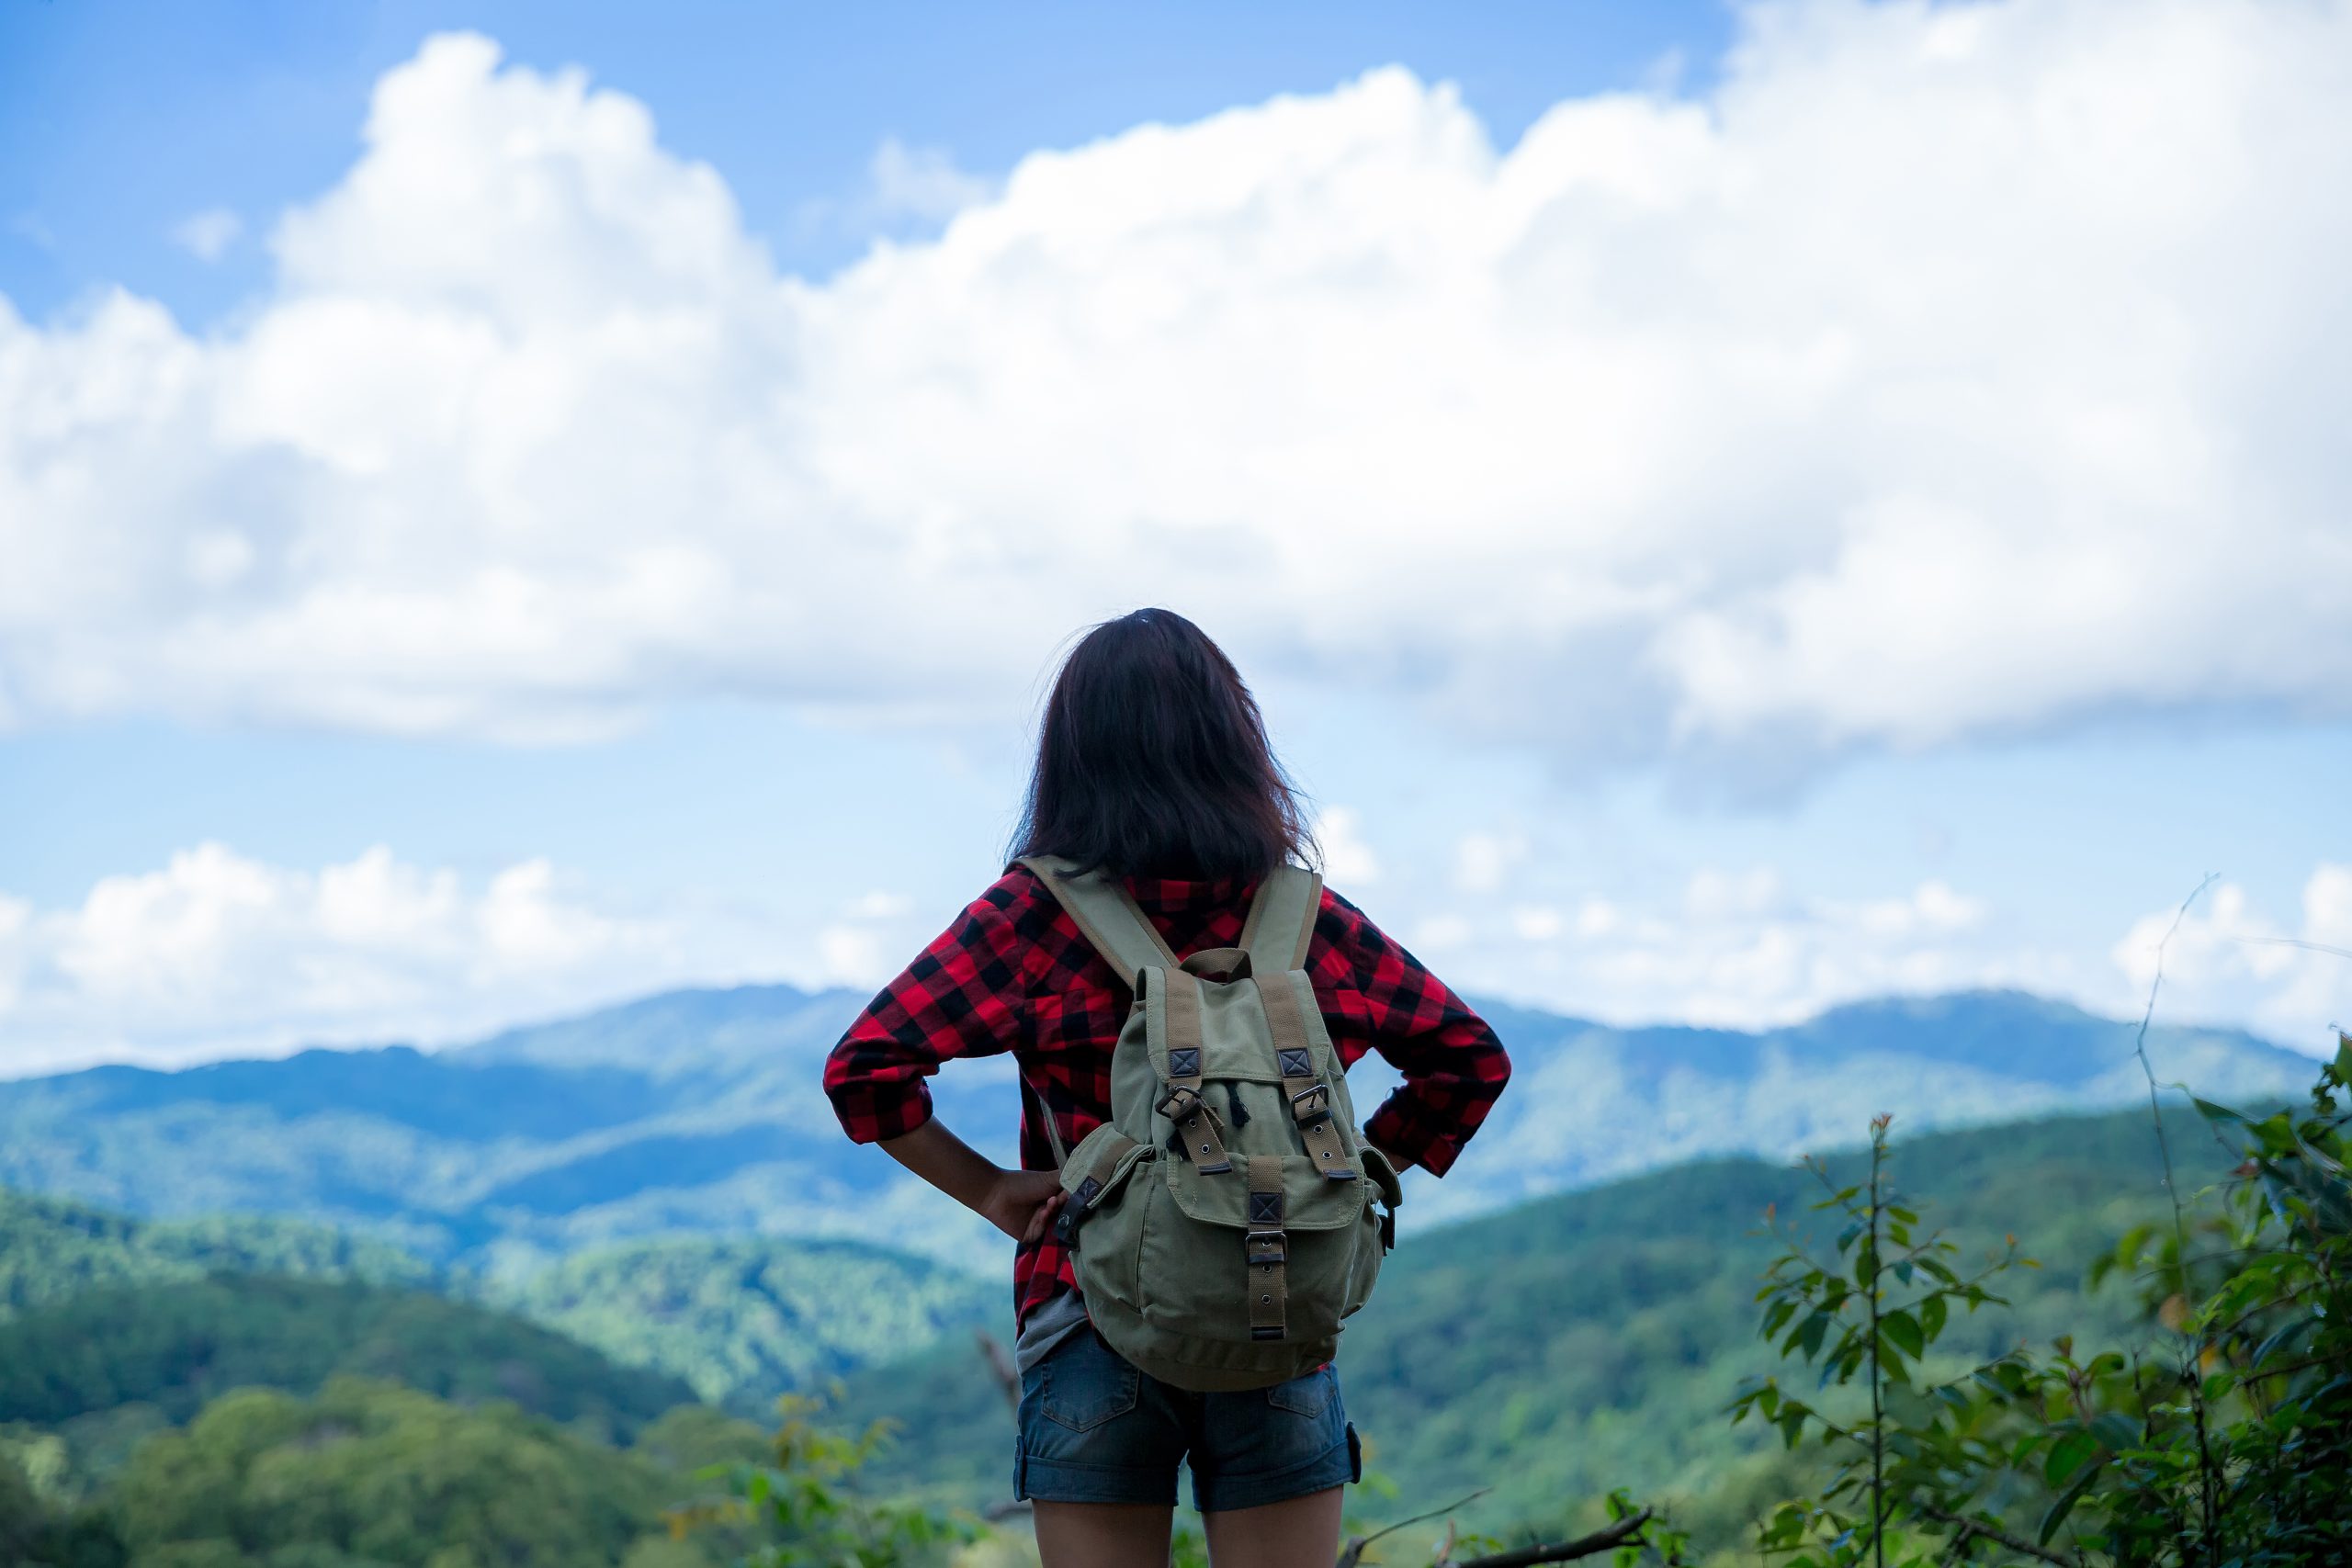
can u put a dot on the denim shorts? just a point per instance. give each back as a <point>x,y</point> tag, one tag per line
<point>1095,1429</point>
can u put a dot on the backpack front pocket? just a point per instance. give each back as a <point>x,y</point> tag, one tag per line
<point>1104,1214</point>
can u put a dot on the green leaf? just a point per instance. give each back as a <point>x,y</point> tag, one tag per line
<point>1932,1313</point>
<point>1904,1330</point>
<point>1866,1263</point>
<point>2213,1112</point>
<point>2295,1330</point>
<point>2063,1504</point>
<point>2115,1430</point>
<point>2074,1448</point>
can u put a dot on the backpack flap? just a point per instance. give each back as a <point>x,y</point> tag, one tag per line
<point>1309,1202</point>
<point>1096,1171</point>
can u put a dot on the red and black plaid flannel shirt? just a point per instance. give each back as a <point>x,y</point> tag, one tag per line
<point>1013,973</point>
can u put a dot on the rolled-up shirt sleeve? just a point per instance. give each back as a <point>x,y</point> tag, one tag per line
<point>1453,1066</point>
<point>961,996</point>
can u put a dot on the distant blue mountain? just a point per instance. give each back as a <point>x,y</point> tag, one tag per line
<point>700,1110</point>
<point>684,1034</point>
<point>457,1096</point>
<point>1591,1103</point>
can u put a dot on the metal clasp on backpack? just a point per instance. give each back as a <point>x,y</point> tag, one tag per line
<point>1178,1102</point>
<point>1319,1113</point>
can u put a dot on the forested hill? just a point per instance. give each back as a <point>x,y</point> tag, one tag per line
<point>52,1250</point>
<point>169,1349</point>
<point>700,1111</point>
<point>1550,1352</point>
<point>1593,1339</point>
<point>735,1320</point>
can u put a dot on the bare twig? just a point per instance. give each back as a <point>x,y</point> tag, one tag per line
<point>1354,1555</point>
<point>2263,1374</point>
<point>1871,1301</point>
<point>1592,1545</point>
<point>1008,1376</point>
<point>2209,1480</point>
<point>1968,1527</point>
<point>2147,1069</point>
<point>2297,942</point>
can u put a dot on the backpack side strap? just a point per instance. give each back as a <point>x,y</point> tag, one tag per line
<point>1107,915</point>
<point>1195,1120</point>
<point>1282,919</point>
<point>1309,1096</point>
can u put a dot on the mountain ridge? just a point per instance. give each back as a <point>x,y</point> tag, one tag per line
<point>698,1111</point>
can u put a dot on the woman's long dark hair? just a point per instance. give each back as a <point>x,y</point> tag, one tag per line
<point>1152,761</point>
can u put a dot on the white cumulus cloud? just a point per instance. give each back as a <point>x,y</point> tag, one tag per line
<point>2291,977</point>
<point>863,946</point>
<point>207,235</point>
<point>216,953</point>
<point>1349,858</point>
<point>1483,862</point>
<point>1944,372</point>
<point>1739,949</point>
<point>921,183</point>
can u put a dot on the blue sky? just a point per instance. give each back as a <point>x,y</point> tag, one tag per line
<point>122,119</point>
<point>1714,542</point>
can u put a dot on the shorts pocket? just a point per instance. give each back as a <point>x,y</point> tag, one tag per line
<point>1084,1383</point>
<point>1309,1395</point>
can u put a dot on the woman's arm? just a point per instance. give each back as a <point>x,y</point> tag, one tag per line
<point>961,996</point>
<point>1454,1067</point>
<point>1021,1204</point>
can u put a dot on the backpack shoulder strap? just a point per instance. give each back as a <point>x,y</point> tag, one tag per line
<point>1282,920</point>
<point>1106,915</point>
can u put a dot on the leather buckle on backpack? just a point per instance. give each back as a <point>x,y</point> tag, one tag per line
<point>1269,1248</point>
<point>1178,1102</point>
<point>1318,1114</point>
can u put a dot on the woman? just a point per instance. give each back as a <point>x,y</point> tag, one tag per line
<point>1152,766</point>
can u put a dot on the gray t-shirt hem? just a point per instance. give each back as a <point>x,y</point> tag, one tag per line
<point>1047,1327</point>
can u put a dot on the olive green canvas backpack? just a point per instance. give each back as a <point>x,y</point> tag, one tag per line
<point>1230,1213</point>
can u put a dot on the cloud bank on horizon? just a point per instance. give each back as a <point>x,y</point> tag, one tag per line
<point>217,953</point>
<point>1945,373</point>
